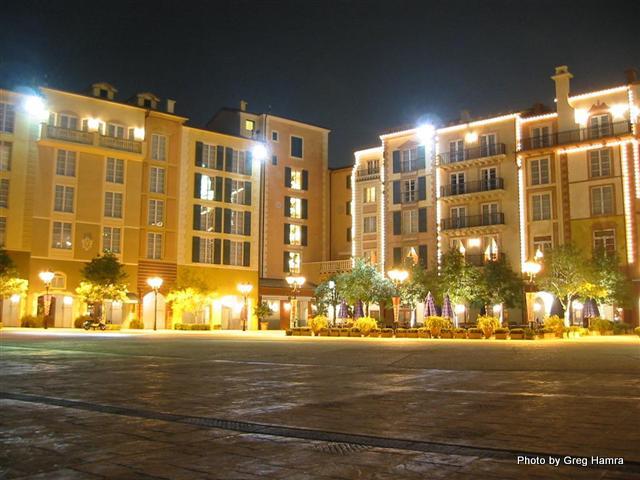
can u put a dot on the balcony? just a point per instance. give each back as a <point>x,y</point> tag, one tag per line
<point>456,156</point>
<point>481,259</point>
<point>367,174</point>
<point>472,187</point>
<point>90,138</point>
<point>472,221</point>
<point>335,266</point>
<point>578,135</point>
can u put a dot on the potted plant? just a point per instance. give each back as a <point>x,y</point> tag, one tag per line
<point>424,333</point>
<point>435,325</point>
<point>288,332</point>
<point>488,324</point>
<point>305,331</point>
<point>401,333</point>
<point>555,324</point>
<point>474,333</point>
<point>412,333</point>
<point>366,324</point>
<point>374,332</point>
<point>318,323</point>
<point>386,333</point>
<point>355,332</point>
<point>334,332</point>
<point>529,334</point>
<point>344,331</point>
<point>459,333</point>
<point>262,311</point>
<point>501,333</point>
<point>517,334</point>
<point>446,333</point>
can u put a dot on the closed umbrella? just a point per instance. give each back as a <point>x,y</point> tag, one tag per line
<point>556,308</point>
<point>358,311</point>
<point>430,306</point>
<point>447,309</point>
<point>589,309</point>
<point>343,311</point>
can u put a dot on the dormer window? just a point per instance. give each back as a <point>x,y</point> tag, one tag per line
<point>147,103</point>
<point>103,93</point>
<point>103,90</point>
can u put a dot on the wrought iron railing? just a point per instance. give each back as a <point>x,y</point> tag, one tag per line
<point>454,156</point>
<point>496,218</point>
<point>472,187</point>
<point>367,174</point>
<point>577,135</point>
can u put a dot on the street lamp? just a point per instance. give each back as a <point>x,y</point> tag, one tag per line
<point>334,299</point>
<point>155,283</point>
<point>46,277</point>
<point>397,276</point>
<point>295,283</point>
<point>531,268</point>
<point>245,290</point>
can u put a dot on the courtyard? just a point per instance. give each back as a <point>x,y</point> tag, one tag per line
<point>233,405</point>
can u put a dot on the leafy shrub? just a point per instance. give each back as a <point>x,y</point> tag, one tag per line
<point>112,326</point>
<point>366,324</point>
<point>136,324</point>
<point>31,321</point>
<point>355,332</point>
<point>318,322</point>
<point>620,328</point>
<point>436,324</point>
<point>458,330</point>
<point>601,325</point>
<point>575,331</point>
<point>79,321</point>
<point>555,324</point>
<point>637,331</point>
<point>488,324</point>
<point>529,333</point>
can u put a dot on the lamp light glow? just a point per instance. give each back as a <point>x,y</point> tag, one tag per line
<point>35,107</point>
<point>471,137</point>
<point>425,133</point>
<point>155,282</point>
<point>15,298</point>
<point>259,152</point>
<point>138,133</point>
<point>46,276</point>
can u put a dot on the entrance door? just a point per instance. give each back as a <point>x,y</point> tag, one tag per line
<point>488,145</point>
<point>148,314</point>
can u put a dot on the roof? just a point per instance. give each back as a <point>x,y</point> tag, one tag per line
<point>238,110</point>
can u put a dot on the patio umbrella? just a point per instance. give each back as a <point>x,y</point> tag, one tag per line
<point>556,308</point>
<point>430,306</point>
<point>343,311</point>
<point>590,309</point>
<point>358,311</point>
<point>447,309</point>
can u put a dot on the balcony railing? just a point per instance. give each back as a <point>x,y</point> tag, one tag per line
<point>455,156</point>
<point>481,259</point>
<point>472,221</point>
<point>576,136</point>
<point>90,138</point>
<point>335,266</point>
<point>367,174</point>
<point>472,187</point>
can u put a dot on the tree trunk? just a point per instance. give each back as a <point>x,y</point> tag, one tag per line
<point>567,312</point>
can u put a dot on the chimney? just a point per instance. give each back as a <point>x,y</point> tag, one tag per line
<point>566,117</point>
<point>465,116</point>
<point>632,75</point>
<point>171,105</point>
<point>243,106</point>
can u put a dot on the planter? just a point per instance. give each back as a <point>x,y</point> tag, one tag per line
<point>323,332</point>
<point>474,335</point>
<point>459,334</point>
<point>344,332</point>
<point>517,336</point>
<point>401,333</point>
<point>355,333</point>
<point>446,334</point>
<point>501,336</point>
<point>424,334</point>
<point>296,332</point>
<point>388,333</point>
<point>546,336</point>
<point>334,332</point>
<point>288,333</point>
<point>264,325</point>
<point>305,332</point>
<point>374,333</point>
<point>413,333</point>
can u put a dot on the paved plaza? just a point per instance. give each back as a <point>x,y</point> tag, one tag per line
<point>82,405</point>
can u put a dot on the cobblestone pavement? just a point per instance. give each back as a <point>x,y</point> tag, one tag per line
<point>244,406</point>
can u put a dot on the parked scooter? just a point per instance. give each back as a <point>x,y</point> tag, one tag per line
<point>94,324</point>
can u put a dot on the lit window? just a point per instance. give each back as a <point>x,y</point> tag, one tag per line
<point>249,125</point>
<point>237,222</point>
<point>66,163</point>
<point>295,234</point>
<point>4,193</point>
<point>369,194</point>
<point>207,188</point>
<point>115,170</point>
<point>207,248</point>
<point>600,162</point>
<point>111,239</point>
<point>156,213</point>
<point>237,192</point>
<point>59,281</point>
<point>158,147</point>
<point>5,156</point>
<point>61,237</point>
<point>295,208</point>
<point>542,243</point>
<point>113,204</point>
<point>63,201</point>
<point>207,219</point>
<point>602,200</point>
<point>370,256</point>
<point>156,180</point>
<point>369,224</point>
<point>410,221</point>
<point>293,261</point>
<point>604,240</point>
<point>540,171</point>
<point>154,246</point>
<point>296,179</point>
<point>541,205</point>
<point>7,117</point>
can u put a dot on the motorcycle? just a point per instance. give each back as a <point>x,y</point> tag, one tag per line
<point>94,324</point>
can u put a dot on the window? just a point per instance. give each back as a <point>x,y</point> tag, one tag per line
<point>457,183</point>
<point>348,179</point>
<point>113,204</point>
<point>63,201</point>
<point>599,126</point>
<point>542,243</point>
<point>540,171</point>
<point>409,191</point>
<point>600,162</point>
<point>274,136</point>
<point>369,194</point>
<point>369,224</point>
<point>295,208</point>
<point>456,150</point>
<point>207,248</point>
<point>295,235</point>
<point>347,208</point>
<point>208,156</point>
<point>293,262</point>
<point>156,180</point>
<point>4,193</point>
<point>410,221</point>
<point>68,121</point>
<point>158,147</point>
<point>370,256</point>
<point>59,281</point>
<point>602,200</point>
<point>348,234</point>
<point>114,130</point>
<point>373,167</point>
<point>274,160</point>
<point>249,125</point>
<point>156,213</point>
<point>458,216</point>
<point>111,239</point>
<point>296,179</point>
<point>409,160</point>
<point>237,222</point>
<point>66,163</point>
<point>207,219</point>
<point>154,246</point>
<point>5,156</point>
<point>604,240</point>
<point>7,117</point>
<point>296,147</point>
<point>489,213</point>
<point>3,231</point>
<point>237,192</point>
<point>61,237</point>
<point>238,162</point>
<point>488,145</point>
<point>236,253</point>
<point>207,188</point>
<point>115,170</point>
<point>541,205</point>
<point>540,137</point>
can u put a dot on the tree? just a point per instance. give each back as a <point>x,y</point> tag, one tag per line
<point>191,300</point>
<point>324,296</point>
<point>460,279</point>
<point>104,279</point>
<point>365,283</point>
<point>566,273</point>
<point>611,284</point>
<point>501,285</point>
<point>420,282</point>
<point>10,283</point>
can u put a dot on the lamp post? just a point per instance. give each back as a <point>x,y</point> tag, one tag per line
<point>531,268</point>
<point>245,290</point>
<point>295,283</point>
<point>155,283</point>
<point>397,276</point>
<point>334,300</point>
<point>46,277</point>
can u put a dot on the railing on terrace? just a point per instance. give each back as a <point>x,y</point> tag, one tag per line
<point>335,266</point>
<point>367,174</point>
<point>90,138</point>
<point>472,221</point>
<point>576,136</point>
<point>472,187</point>
<point>454,156</point>
<point>481,259</point>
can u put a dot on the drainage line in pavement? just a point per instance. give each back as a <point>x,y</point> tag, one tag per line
<point>303,433</point>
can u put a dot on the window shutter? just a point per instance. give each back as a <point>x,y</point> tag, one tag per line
<point>218,220</point>
<point>422,255</point>
<point>195,249</point>
<point>216,251</point>
<point>421,157</point>
<point>227,220</point>
<point>396,192</point>
<point>285,263</point>
<point>287,237</point>
<point>305,209</point>
<point>422,219</point>
<point>248,162</point>
<point>220,157</point>
<point>227,190</point>
<point>397,256</point>
<point>396,161</point>
<point>247,223</point>
<point>287,206</point>
<point>305,180</point>
<point>304,235</point>
<point>246,254</point>
<point>287,177</point>
<point>397,223</point>
<point>196,185</point>
<point>196,217</point>
<point>228,159</point>
<point>226,252</point>
<point>247,193</point>
<point>217,195</point>
<point>198,154</point>
<point>422,188</point>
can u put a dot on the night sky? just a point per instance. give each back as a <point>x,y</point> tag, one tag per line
<point>358,68</point>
